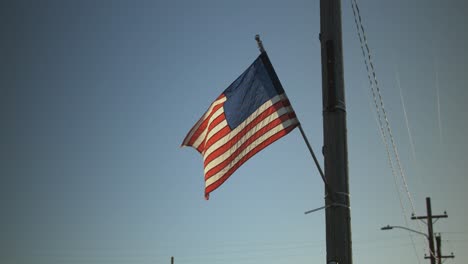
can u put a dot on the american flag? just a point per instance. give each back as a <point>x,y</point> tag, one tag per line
<point>249,115</point>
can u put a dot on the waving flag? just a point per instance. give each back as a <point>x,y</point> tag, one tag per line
<point>249,115</point>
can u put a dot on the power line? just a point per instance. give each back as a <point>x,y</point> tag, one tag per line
<point>376,91</point>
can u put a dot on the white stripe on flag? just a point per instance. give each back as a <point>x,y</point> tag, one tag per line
<point>200,121</point>
<point>202,136</point>
<point>216,129</point>
<point>254,144</point>
<point>244,138</point>
<point>246,122</point>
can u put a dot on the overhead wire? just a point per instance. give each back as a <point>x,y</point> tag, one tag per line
<point>382,107</point>
<point>374,86</point>
<point>280,249</point>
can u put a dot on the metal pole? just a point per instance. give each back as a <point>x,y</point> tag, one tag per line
<point>388,227</point>
<point>335,150</point>
<point>430,230</point>
<point>317,164</point>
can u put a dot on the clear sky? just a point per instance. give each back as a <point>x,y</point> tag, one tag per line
<point>97,96</point>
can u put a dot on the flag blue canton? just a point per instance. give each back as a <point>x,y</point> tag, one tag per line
<point>248,92</point>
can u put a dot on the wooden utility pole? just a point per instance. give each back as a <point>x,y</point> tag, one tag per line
<point>430,230</point>
<point>335,149</point>
<point>439,250</point>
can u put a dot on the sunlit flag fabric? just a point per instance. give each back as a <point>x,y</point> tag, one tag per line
<point>249,115</point>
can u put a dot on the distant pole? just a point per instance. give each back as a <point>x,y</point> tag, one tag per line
<point>430,229</point>
<point>335,149</point>
<point>439,249</point>
<point>172,260</point>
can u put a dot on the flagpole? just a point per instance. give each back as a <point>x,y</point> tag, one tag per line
<point>315,158</point>
<point>327,186</point>
<point>335,150</point>
<point>259,43</point>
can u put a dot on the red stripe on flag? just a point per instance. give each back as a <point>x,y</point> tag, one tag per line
<point>264,144</point>
<point>272,109</point>
<point>216,122</point>
<point>201,148</point>
<point>197,125</point>
<point>218,135</point>
<point>249,141</point>
<point>203,125</point>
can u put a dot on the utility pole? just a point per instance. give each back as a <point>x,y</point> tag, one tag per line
<point>439,249</point>
<point>335,149</point>
<point>430,231</point>
<point>172,260</point>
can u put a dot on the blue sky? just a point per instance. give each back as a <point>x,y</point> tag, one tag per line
<point>97,96</point>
